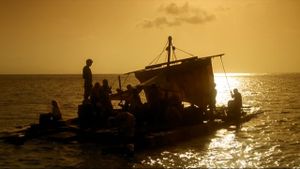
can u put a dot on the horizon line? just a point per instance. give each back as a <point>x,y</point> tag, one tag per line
<point>215,73</point>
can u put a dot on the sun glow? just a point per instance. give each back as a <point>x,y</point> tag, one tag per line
<point>224,85</point>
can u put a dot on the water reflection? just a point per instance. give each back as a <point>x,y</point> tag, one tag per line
<point>227,148</point>
<point>223,150</point>
<point>223,87</point>
<point>268,141</point>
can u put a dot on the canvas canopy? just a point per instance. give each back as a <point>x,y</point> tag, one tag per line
<point>191,80</point>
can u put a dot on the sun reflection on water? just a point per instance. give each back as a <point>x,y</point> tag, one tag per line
<point>223,88</point>
<point>254,145</point>
<point>223,150</point>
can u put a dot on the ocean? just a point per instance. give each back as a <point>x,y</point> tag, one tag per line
<point>272,139</point>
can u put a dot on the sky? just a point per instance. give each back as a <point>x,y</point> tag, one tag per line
<point>57,36</point>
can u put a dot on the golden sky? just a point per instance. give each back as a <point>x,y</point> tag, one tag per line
<point>57,36</point>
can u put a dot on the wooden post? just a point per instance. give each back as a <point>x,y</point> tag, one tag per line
<point>120,86</point>
<point>169,49</point>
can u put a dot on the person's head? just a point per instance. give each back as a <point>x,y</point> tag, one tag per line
<point>129,87</point>
<point>89,62</point>
<point>97,85</point>
<point>54,103</point>
<point>105,82</point>
<point>235,90</point>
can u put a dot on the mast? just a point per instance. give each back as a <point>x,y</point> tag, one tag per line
<point>169,49</point>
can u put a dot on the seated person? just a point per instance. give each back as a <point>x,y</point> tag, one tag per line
<point>134,100</point>
<point>235,105</point>
<point>105,98</point>
<point>237,98</point>
<point>53,116</point>
<point>56,113</point>
<point>95,94</point>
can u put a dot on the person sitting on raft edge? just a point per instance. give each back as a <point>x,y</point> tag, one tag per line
<point>56,113</point>
<point>237,98</point>
<point>51,117</point>
<point>235,106</point>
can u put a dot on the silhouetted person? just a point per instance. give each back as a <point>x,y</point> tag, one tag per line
<point>56,113</point>
<point>106,87</point>
<point>237,98</point>
<point>134,99</point>
<point>88,79</point>
<point>235,106</point>
<point>52,117</point>
<point>173,116</point>
<point>105,99</point>
<point>95,94</point>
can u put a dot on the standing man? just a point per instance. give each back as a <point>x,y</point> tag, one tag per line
<point>88,79</point>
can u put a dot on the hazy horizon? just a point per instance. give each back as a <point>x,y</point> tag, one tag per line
<point>215,73</point>
<point>56,37</point>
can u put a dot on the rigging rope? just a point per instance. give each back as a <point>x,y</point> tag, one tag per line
<point>157,57</point>
<point>174,55</point>
<point>225,74</point>
<point>113,83</point>
<point>125,79</point>
<point>185,52</point>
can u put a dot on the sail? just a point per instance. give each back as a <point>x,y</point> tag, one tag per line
<point>191,80</point>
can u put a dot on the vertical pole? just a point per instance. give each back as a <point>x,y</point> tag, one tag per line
<point>120,86</point>
<point>169,49</point>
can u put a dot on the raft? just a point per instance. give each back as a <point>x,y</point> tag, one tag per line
<point>69,131</point>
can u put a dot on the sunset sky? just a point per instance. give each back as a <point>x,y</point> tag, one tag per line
<point>57,36</point>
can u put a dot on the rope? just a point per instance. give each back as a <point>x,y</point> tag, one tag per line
<point>113,83</point>
<point>225,74</point>
<point>158,56</point>
<point>125,80</point>
<point>174,54</point>
<point>185,52</point>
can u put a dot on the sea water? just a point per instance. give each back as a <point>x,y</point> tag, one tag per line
<point>272,139</point>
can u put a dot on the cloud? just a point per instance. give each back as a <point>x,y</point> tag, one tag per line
<point>174,15</point>
<point>172,8</point>
<point>159,22</point>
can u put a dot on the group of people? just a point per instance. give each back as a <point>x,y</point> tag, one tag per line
<point>97,108</point>
<point>97,96</point>
<point>162,107</point>
<point>157,110</point>
<point>100,98</point>
<point>155,105</point>
<point>96,102</point>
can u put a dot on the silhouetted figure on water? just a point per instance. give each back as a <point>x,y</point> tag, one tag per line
<point>88,79</point>
<point>52,117</point>
<point>106,86</point>
<point>105,98</point>
<point>134,101</point>
<point>95,94</point>
<point>235,105</point>
<point>56,113</point>
<point>237,98</point>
